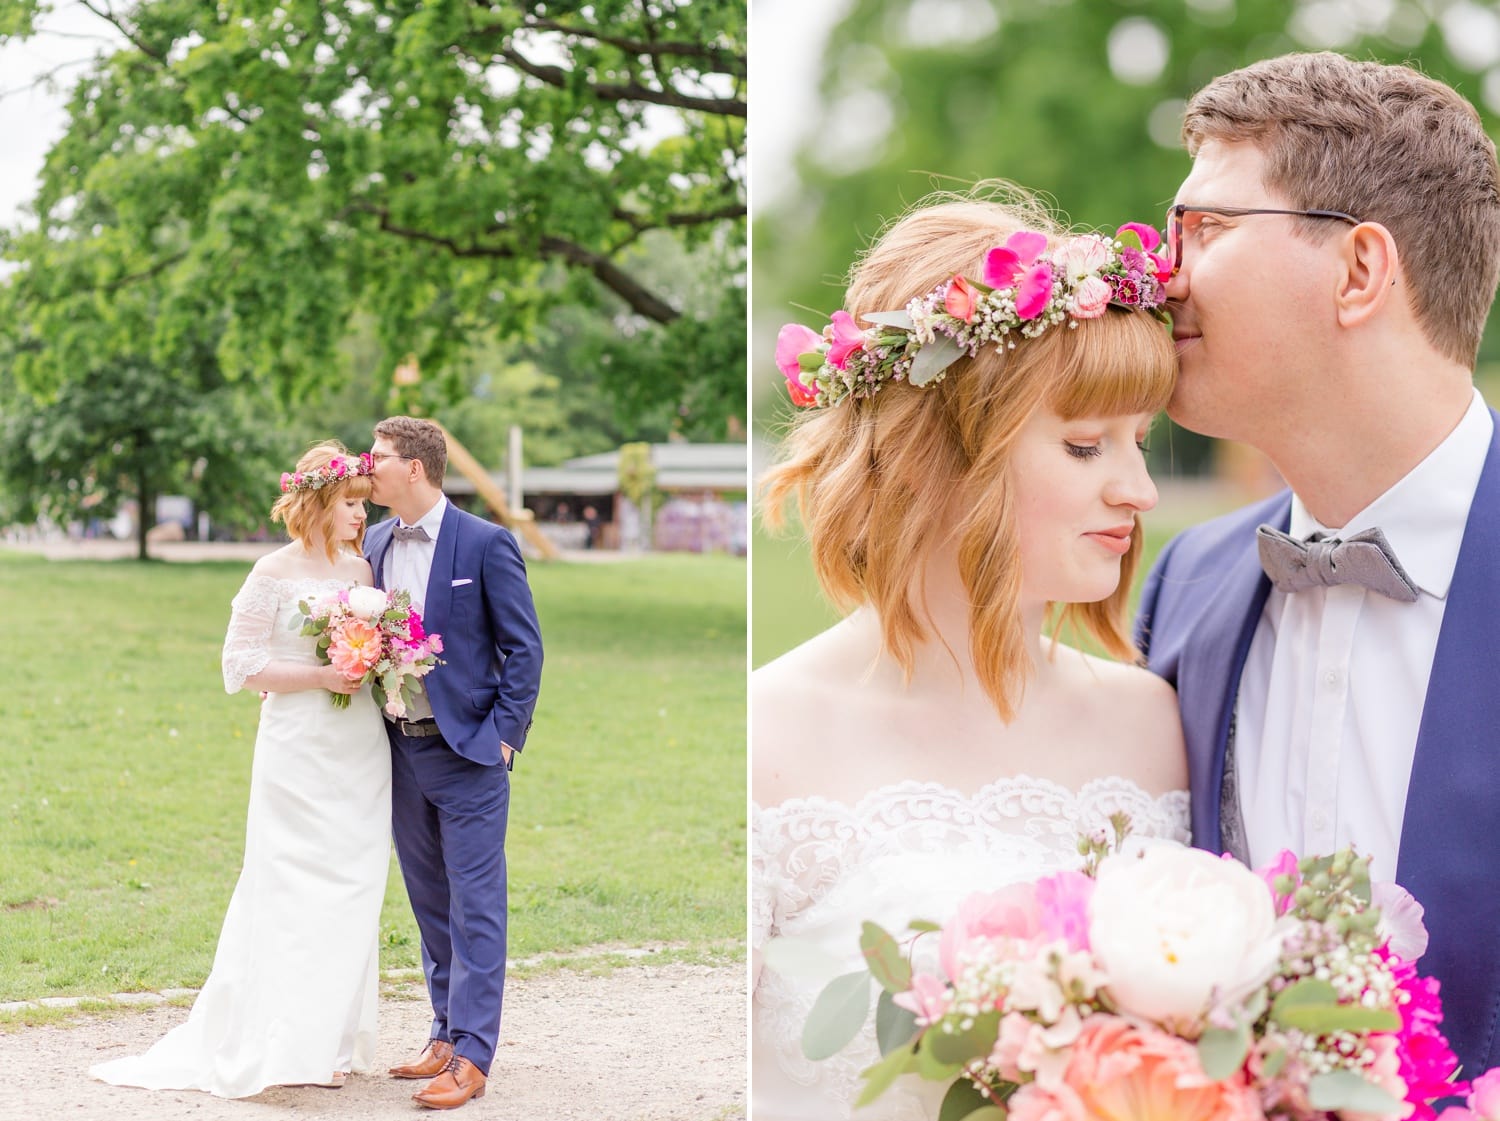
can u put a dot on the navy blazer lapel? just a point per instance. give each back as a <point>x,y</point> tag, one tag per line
<point>440,575</point>
<point>382,545</point>
<point>1448,836</point>
<point>1208,676</point>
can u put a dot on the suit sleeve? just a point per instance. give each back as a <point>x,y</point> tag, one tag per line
<point>518,638</point>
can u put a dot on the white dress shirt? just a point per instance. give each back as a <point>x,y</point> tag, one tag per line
<point>407,566</point>
<point>1332,694</point>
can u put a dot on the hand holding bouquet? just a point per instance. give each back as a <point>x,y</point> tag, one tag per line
<point>373,636</point>
<point>1167,983</point>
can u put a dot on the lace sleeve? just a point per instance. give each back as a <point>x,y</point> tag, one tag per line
<point>247,645</point>
<point>797,850</point>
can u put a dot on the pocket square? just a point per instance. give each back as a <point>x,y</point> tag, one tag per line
<point>461,583</point>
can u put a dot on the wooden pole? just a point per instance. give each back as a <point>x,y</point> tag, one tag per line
<point>519,519</point>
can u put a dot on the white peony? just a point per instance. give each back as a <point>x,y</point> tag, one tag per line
<point>367,602</point>
<point>1179,931</point>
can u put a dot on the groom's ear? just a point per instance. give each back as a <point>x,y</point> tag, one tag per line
<point>1370,272</point>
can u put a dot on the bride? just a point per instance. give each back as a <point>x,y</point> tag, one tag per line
<point>934,743</point>
<point>292,996</point>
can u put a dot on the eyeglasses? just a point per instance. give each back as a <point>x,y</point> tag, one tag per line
<point>1175,213</point>
<point>378,456</point>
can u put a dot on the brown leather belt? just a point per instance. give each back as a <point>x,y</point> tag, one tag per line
<point>417,729</point>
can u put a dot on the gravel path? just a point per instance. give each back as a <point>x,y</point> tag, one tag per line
<point>640,1043</point>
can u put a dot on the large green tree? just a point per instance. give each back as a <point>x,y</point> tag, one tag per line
<point>453,168</point>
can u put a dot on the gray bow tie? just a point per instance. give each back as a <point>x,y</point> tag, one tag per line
<point>1365,559</point>
<point>409,533</point>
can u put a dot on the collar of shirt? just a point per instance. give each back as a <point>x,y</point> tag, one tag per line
<point>432,521</point>
<point>1423,516</point>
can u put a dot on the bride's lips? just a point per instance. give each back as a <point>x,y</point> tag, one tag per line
<point>1116,539</point>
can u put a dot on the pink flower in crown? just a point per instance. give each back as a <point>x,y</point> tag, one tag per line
<point>1011,912</point>
<point>793,341</point>
<point>960,299</point>
<point>1084,256</point>
<point>366,463</point>
<point>339,469</point>
<point>1150,237</point>
<point>286,481</point>
<point>297,479</point>
<point>1017,264</point>
<point>1091,298</point>
<point>846,339</point>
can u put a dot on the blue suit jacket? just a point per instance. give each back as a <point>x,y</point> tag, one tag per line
<point>1199,612</point>
<point>479,601</point>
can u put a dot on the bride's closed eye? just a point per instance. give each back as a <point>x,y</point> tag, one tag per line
<point>1082,451</point>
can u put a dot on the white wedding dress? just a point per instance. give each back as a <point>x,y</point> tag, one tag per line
<point>913,850</point>
<point>294,987</point>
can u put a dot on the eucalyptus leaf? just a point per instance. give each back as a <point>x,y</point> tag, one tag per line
<point>924,926</point>
<point>1306,991</point>
<point>1222,1051</point>
<point>1345,1090</point>
<point>1321,1019</point>
<point>1271,1065</point>
<point>961,1100</point>
<point>837,1015</point>
<point>988,1113</point>
<point>878,1078</point>
<point>883,955</point>
<point>890,319</point>
<point>932,1068</point>
<point>894,1026</point>
<point>964,1046</point>
<point>933,359</point>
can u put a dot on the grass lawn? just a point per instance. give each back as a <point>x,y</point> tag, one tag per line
<point>122,799</point>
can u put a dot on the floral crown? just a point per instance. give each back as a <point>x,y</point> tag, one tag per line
<point>1025,290</point>
<point>336,469</point>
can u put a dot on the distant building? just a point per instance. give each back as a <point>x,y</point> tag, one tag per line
<point>703,506</point>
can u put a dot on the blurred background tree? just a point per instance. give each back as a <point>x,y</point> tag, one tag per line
<point>543,202</point>
<point>879,102</point>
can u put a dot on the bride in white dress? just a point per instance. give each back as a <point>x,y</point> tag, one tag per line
<point>292,996</point>
<point>934,743</point>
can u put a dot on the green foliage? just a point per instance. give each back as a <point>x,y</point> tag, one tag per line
<point>453,170</point>
<point>123,796</point>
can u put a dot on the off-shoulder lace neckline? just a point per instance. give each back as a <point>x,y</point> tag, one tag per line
<point>1094,787</point>
<point>283,581</point>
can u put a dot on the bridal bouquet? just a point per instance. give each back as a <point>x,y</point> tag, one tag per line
<point>1164,983</point>
<point>373,636</point>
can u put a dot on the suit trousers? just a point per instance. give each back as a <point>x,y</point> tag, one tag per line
<point>448,817</point>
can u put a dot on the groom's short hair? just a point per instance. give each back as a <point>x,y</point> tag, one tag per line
<point>1385,144</point>
<point>421,440</point>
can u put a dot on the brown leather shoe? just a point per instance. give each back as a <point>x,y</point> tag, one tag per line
<point>459,1082</point>
<point>429,1063</point>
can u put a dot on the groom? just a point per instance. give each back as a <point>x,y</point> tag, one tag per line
<point>452,753</point>
<point>1337,246</point>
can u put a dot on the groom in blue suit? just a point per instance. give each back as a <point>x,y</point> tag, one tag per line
<point>452,752</point>
<point>1335,649</point>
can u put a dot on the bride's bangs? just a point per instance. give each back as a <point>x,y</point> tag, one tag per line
<point>1120,364</point>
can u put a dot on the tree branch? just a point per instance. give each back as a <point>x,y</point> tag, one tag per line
<point>119,25</point>
<point>136,277</point>
<point>630,91</point>
<point>639,298</point>
<point>723,58</point>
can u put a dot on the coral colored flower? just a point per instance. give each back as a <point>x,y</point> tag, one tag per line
<point>1125,1073</point>
<point>355,649</point>
<point>1005,263</point>
<point>1091,298</point>
<point>793,341</point>
<point>1149,236</point>
<point>960,299</point>
<point>1034,291</point>
<point>847,338</point>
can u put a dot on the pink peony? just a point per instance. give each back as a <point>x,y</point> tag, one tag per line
<point>847,338</point>
<point>792,342</point>
<point>1063,899</point>
<point>927,999</point>
<point>1091,298</point>
<point>1010,912</point>
<point>960,299</point>
<point>1003,264</point>
<point>1126,1073</point>
<point>355,649</point>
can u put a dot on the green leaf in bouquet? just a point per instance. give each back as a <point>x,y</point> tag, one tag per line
<point>1337,1090</point>
<point>837,1015</point>
<point>929,1066</point>
<point>883,956</point>
<point>1271,1065</point>
<point>878,1078</point>
<point>1308,991</point>
<point>894,1026</point>
<point>1222,1051</point>
<point>962,1100</point>
<point>1323,1019</point>
<point>962,1047</point>
<point>988,1113</point>
<point>924,926</point>
<point>414,684</point>
<point>1130,239</point>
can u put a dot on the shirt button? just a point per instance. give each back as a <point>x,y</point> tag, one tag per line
<point>1333,678</point>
